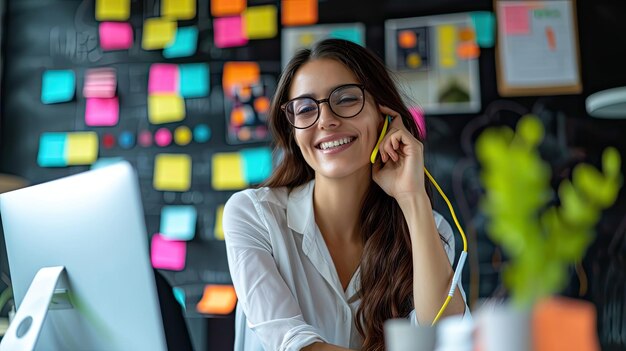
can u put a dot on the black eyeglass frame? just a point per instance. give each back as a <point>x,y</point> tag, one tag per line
<point>283,107</point>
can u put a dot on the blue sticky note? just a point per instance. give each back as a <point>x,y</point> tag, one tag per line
<point>194,80</point>
<point>184,43</point>
<point>52,150</point>
<point>350,34</point>
<point>484,24</point>
<point>178,222</point>
<point>257,164</point>
<point>179,295</point>
<point>105,161</point>
<point>57,86</point>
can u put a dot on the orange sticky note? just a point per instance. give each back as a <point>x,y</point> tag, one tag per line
<point>217,299</point>
<point>299,12</point>
<point>564,324</point>
<point>238,75</point>
<point>221,8</point>
<point>468,50</point>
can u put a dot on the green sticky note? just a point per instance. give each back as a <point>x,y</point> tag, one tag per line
<point>350,34</point>
<point>52,150</point>
<point>484,23</point>
<point>57,86</point>
<point>184,44</point>
<point>257,164</point>
<point>194,80</point>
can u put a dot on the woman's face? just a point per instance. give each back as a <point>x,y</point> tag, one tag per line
<point>356,136</point>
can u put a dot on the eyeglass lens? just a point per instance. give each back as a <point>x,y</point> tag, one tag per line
<point>345,101</point>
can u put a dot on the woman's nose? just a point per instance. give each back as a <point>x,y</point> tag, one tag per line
<point>327,119</point>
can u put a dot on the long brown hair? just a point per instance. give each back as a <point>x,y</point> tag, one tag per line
<point>386,289</point>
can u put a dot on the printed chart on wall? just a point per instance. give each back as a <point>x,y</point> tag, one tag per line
<point>436,61</point>
<point>537,48</point>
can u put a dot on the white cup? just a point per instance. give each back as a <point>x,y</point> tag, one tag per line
<point>400,335</point>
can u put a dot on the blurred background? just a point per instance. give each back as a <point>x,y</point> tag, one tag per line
<point>181,89</point>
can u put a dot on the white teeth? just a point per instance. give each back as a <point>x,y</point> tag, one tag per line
<point>330,144</point>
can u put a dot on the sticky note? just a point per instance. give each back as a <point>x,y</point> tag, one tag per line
<point>516,19</point>
<point>218,231</point>
<point>446,44</point>
<point>182,135</point>
<point>167,254</point>
<point>163,78</point>
<point>100,83</point>
<point>229,32</point>
<point>178,9</point>
<point>260,22</point>
<point>57,86</point>
<point>468,50</point>
<point>52,150</point>
<point>564,324</point>
<point>178,222</point>
<point>184,44</point>
<point>227,171</point>
<point>351,34</point>
<point>115,35</point>
<point>484,22</point>
<point>105,162</point>
<point>102,112</point>
<point>81,148</point>
<point>299,12</point>
<point>158,33</point>
<point>217,299</point>
<point>165,108</point>
<point>239,74</point>
<point>172,172</point>
<point>179,295</point>
<point>257,164</point>
<point>194,80</point>
<point>112,10</point>
<point>220,8</point>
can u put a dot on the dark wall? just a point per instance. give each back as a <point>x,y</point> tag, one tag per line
<point>54,34</point>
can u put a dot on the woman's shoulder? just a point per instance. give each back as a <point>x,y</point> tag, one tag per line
<point>259,197</point>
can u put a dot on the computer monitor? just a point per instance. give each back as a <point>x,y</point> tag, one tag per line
<point>91,224</point>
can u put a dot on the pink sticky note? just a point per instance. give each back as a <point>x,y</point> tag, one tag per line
<point>163,78</point>
<point>516,20</point>
<point>100,83</point>
<point>229,31</point>
<point>418,116</point>
<point>115,35</point>
<point>167,254</point>
<point>102,112</point>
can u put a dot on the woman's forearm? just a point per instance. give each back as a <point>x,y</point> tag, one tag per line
<point>432,272</point>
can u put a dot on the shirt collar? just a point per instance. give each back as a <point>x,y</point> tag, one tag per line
<point>300,207</point>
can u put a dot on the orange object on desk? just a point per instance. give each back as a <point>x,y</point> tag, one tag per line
<point>217,299</point>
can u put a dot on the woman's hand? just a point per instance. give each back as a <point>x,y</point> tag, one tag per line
<point>400,169</point>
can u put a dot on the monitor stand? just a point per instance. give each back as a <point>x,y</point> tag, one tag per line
<point>41,296</point>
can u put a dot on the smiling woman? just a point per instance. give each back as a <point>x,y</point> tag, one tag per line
<point>331,246</point>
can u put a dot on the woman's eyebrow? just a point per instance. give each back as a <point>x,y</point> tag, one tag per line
<point>312,96</point>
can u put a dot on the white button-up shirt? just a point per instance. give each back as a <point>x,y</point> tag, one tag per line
<point>289,292</point>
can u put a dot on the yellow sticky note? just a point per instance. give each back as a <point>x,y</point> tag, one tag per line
<point>82,148</point>
<point>260,22</point>
<point>178,9</point>
<point>172,172</point>
<point>112,10</point>
<point>227,172</point>
<point>446,44</point>
<point>219,231</point>
<point>158,33</point>
<point>165,108</point>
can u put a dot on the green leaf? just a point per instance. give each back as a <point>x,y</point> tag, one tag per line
<point>531,130</point>
<point>611,162</point>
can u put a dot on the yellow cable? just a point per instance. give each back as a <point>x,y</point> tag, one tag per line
<point>443,308</point>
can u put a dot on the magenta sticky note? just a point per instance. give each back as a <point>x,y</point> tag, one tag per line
<point>102,112</point>
<point>163,78</point>
<point>229,32</point>
<point>115,35</point>
<point>418,117</point>
<point>516,20</point>
<point>167,254</point>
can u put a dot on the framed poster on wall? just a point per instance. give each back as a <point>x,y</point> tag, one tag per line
<point>435,59</point>
<point>537,48</point>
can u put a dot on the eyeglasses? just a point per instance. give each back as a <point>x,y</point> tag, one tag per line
<point>345,101</point>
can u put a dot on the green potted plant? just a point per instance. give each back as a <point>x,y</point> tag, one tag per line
<point>541,239</point>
